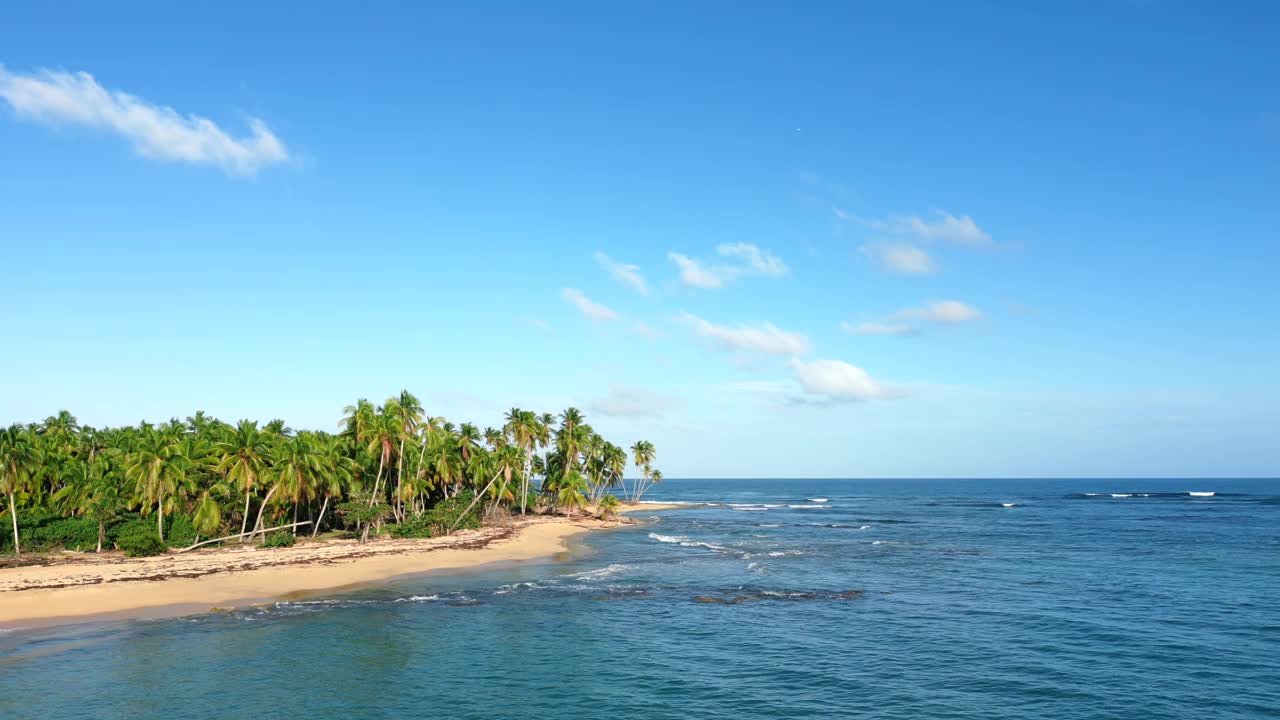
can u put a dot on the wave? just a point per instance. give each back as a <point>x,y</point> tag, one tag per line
<point>603,572</point>
<point>686,542</point>
<point>750,509</point>
<point>818,500</point>
<point>1009,505</point>
<point>806,507</point>
<point>1201,494</point>
<point>418,598</point>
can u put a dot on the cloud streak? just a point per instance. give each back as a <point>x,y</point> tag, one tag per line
<point>155,131</point>
<point>628,275</point>
<point>894,257</point>
<point>749,260</point>
<point>908,321</point>
<point>944,227</point>
<point>765,339</point>
<point>589,309</point>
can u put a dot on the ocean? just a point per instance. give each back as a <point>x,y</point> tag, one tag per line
<point>784,599</point>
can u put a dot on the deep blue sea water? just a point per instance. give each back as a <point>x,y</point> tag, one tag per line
<point>1038,598</point>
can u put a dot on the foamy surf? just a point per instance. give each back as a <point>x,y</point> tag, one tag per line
<point>1201,494</point>
<point>818,500</point>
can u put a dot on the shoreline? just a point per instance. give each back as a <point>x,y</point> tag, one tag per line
<point>112,587</point>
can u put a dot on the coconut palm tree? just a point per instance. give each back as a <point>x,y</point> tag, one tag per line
<point>158,470</point>
<point>608,507</point>
<point>644,454</point>
<point>19,460</point>
<point>243,459</point>
<point>408,414</point>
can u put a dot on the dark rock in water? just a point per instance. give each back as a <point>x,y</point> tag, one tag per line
<point>707,599</point>
<point>623,595</point>
<point>723,601</point>
<point>851,594</point>
<point>464,603</point>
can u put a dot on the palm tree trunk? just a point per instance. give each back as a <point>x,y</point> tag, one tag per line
<point>102,534</point>
<point>377,479</point>
<point>258,523</point>
<point>474,500</point>
<point>13,512</point>
<point>160,517</point>
<point>316,528</point>
<point>295,519</point>
<point>244,524</point>
<point>399,481</point>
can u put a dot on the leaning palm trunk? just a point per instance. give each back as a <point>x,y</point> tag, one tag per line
<point>377,479</point>
<point>244,524</point>
<point>13,512</point>
<point>399,482</point>
<point>474,500</point>
<point>160,517</point>
<point>316,528</point>
<point>258,523</point>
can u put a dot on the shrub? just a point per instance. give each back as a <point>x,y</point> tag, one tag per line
<point>179,532</point>
<point>70,533</point>
<point>278,539</point>
<point>418,526</point>
<point>139,543</point>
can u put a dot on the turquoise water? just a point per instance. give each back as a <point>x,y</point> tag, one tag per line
<point>980,599</point>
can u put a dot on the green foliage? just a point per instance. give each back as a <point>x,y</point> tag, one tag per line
<point>417,526</point>
<point>136,542</point>
<point>179,532</point>
<point>440,518</point>
<point>359,512</point>
<point>132,525</point>
<point>278,539</point>
<point>39,529</point>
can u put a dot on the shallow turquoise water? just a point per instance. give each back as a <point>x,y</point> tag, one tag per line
<point>1064,604</point>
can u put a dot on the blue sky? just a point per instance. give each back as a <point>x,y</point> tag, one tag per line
<point>816,239</point>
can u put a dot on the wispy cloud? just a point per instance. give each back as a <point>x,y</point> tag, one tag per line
<point>628,275</point>
<point>631,402</point>
<point>941,312</point>
<point>838,381</point>
<point>156,131</point>
<point>908,321</point>
<point>694,274</point>
<point>749,260</point>
<point>589,309</point>
<point>899,258</point>
<point>757,260</point>
<point>765,339</point>
<point>876,328</point>
<point>943,227</point>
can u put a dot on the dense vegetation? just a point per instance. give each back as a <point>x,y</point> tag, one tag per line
<point>391,469</point>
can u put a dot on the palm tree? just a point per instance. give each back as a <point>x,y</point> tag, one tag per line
<point>409,414</point>
<point>297,465</point>
<point>569,495</point>
<point>91,489</point>
<point>244,459</point>
<point>18,462</point>
<point>338,475</point>
<point>158,470</point>
<point>527,430</point>
<point>643,453</point>
<point>608,506</point>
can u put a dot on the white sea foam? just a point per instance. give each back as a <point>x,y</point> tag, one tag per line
<point>1121,495</point>
<point>865,527</point>
<point>750,509</point>
<point>816,499</point>
<point>419,598</point>
<point>613,569</point>
<point>804,507</point>
<point>1008,504</point>
<point>770,525</point>
<point>1201,494</point>
<point>684,541</point>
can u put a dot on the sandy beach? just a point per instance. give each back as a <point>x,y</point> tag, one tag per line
<point>87,585</point>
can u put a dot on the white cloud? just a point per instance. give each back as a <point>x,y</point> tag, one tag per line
<point>628,275</point>
<point>941,312</point>
<point>908,320</point>
<point>156,131</point>
<point>694,274</point>
<point>757,260</point>
<point>630,402</point>
<point>837,381</point>
<point>766,339</point>
<point>875,328</point>
<point>594,311</point>
<point>752,261</point>
<point>899,258</point>
<point>944,227</point>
